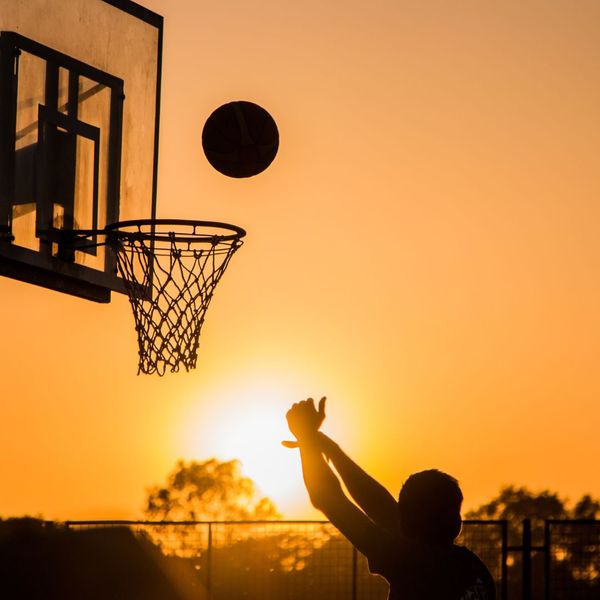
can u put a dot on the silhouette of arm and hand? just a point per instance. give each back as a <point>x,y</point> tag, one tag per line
<point>374,499</point>
<point>324,488</point>
<point>410,542</point>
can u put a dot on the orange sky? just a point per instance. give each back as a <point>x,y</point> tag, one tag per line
<point>424,251</point>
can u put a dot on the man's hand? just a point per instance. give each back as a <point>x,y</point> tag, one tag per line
<point>304,420</point>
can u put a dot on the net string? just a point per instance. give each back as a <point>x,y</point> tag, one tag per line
<point>181,280</point>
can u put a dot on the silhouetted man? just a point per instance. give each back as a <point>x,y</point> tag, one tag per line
<point>409,542</point>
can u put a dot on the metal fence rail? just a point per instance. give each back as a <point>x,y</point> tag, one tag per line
<point>291,560</point>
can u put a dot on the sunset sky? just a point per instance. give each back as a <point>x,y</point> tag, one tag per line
<point>424,251</point>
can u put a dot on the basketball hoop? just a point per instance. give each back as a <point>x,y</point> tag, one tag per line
<point>170,269</point>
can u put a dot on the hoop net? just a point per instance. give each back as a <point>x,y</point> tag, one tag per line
<point>170,270</point>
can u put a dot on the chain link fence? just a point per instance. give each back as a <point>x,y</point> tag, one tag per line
<point>572,560</point>
<point>288,560</point>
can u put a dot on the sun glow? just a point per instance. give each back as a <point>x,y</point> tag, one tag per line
<point>249,424</point>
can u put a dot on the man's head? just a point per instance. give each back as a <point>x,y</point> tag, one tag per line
<point>429,504</point>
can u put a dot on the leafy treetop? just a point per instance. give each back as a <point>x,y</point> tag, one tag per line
<point>209,490</point>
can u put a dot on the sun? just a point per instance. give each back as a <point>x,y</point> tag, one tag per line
<point>249,425</point>
<point>255,438</point>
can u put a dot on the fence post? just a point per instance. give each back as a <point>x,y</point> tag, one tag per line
<point>209,563</point>
<point>547,560</point>
<point>526,559</point>
<point>504,568</point>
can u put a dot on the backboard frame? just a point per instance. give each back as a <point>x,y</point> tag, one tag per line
<point>44,267</point>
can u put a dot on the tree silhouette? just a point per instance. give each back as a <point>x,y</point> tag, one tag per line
<point>586,508</point>
<point>518,503</point>
<point>573,557</point>
<point>210,490</point>
<point>515,504</point>
<point>49,561</point>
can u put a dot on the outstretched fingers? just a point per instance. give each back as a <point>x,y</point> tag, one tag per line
<point>322,406</point>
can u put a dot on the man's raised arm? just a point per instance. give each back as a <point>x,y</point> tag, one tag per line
<point>369,494</point>
<point>324,489</point>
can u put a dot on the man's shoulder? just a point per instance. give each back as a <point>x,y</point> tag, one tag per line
<point>463,554</point>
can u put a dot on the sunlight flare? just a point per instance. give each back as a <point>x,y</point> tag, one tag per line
<point>249,424</point>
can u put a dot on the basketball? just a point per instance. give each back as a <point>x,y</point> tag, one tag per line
<point>240,139</point>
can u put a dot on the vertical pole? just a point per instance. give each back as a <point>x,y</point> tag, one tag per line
<point>9,73</point>
<point>113,181</point>
<point>547,560</point>
<point>47,152</point>
<point>67,167</point>
<point>526,559</point>
<point>115,140</point>
<point>504,572</point>
<point>209,564</point>
<point>354,573</point>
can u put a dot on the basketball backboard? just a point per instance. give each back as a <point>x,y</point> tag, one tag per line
<point>79,116</point>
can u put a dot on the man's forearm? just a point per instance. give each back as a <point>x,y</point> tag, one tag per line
<point>367,492</point>
<point>321,483</point>
<point>327,495</point>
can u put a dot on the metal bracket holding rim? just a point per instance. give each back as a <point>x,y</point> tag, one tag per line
<point>81,239</point>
